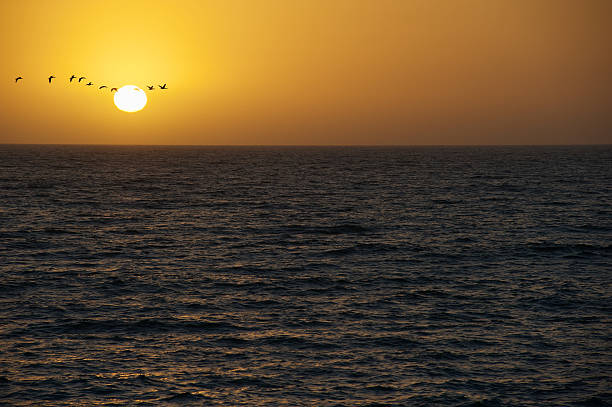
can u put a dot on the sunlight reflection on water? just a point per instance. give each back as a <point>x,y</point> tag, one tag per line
<point>315,276</point>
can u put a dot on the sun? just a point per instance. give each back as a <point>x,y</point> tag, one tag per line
<point>130,98</point>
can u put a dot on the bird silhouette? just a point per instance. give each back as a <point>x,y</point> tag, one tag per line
<point>162,87</point>
<point>113,89</point>
<point>17,78</point>
<point>102,87</point>
<point>88,84</point>
<point>150,87</point>
<point>81,78</point>
<point>72,77</point>
<point>51,77</point>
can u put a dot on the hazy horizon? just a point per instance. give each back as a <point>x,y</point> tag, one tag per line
<point>307,145</point>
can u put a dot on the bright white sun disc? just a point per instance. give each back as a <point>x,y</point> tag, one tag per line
<point>130,98</point>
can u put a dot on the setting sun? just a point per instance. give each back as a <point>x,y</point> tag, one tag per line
<point>319,202</point>
<point>316,72</point>
<point>130,98</point>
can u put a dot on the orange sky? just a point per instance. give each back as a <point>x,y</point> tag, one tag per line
<point>309,71</point>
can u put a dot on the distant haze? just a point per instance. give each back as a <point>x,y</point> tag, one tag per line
<point>400,72</point>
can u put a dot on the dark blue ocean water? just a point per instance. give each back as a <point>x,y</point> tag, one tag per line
<point>446,276</point>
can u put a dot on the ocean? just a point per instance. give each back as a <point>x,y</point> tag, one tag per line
<point>305,276</point>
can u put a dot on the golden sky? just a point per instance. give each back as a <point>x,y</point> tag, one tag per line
<point>309,72</point>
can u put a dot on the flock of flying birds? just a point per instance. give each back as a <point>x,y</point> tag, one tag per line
<point>50,78</point>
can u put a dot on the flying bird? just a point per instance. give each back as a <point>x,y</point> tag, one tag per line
<point>51,77</point>
<point>162,87</point>
<point>81,78</point>
<point>17,78</point>
<point>88,84</point>
<point>102,87</point>
<point>113,89</point>
<point>72,77</point>
<point>150,87</point>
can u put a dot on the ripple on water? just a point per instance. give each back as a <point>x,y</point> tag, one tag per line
<point>305,276</point>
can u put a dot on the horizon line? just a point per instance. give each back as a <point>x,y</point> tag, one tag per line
<point>304,145</point>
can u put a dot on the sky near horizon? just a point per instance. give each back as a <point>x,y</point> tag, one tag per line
<point>309,72</point>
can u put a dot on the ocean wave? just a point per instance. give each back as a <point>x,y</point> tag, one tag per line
<point>145,326</point>
<point>339,229</point>
<point>572,249</point>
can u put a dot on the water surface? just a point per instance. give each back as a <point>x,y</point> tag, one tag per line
<point>455,276</point>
